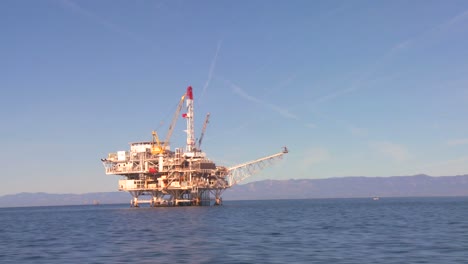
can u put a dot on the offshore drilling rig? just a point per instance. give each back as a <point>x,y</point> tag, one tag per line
<point>179,177</point>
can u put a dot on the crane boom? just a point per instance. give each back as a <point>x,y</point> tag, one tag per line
<point>242,171</point>
<point>173,123</point>
<point>156,147</point>
<point>205,124</point>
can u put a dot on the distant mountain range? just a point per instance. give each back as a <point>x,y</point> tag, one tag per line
<point>345,187</point>
<point>351,187</point>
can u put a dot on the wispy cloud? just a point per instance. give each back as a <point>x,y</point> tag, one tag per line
<point>456,166</point>
<point>396,152</point>
<point>74,7</point>
<point>358,131</point>
<point>212,69</point>
<point>282,111</point>
<point>315,156</point>
<point>458,142</point>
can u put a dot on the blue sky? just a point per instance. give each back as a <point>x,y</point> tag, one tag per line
<point>353,88</point>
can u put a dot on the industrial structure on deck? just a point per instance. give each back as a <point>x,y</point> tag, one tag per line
<point>178,177</point>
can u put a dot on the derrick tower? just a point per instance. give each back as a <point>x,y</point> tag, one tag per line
<point>178,177</point>
<point>189,116</point>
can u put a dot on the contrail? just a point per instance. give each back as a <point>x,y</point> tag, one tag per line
<point>283,112</point>
<point>212,69</point>
<point>437,28</point>
<point>365,77</point>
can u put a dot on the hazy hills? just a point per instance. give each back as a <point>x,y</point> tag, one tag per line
<point>346,187</point>
<point>352,187</point>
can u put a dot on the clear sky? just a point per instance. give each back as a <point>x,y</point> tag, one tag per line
<point>353,88</point>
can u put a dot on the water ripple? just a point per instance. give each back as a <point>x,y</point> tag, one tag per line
<point>424,230</point>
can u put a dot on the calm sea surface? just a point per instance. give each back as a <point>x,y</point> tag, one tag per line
<point>391,230</point>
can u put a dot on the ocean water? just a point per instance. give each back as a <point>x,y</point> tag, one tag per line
<point>391,230</point>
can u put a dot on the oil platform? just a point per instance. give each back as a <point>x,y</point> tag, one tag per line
<point>179,177</point>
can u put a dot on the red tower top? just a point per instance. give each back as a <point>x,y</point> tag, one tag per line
<point>189,92</point>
